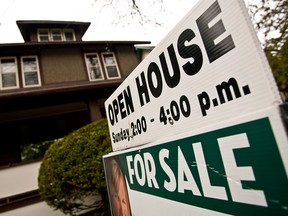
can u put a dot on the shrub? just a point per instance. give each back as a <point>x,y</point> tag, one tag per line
<point>71,177</point>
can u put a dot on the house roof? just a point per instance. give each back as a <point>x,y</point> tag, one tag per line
<point>25,26</point>
<point>12,48</point>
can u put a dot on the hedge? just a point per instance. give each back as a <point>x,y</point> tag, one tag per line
<point>72,174</point>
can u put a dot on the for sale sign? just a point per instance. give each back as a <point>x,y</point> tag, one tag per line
<point>237,168</point>
<point>210,68</point>
<point>201,120</point>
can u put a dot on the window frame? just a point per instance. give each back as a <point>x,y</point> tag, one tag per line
<point>107,65</point>
<point>68,30</point>
<point>52,35</point>
<point>38,34</point>
<point>16,73</point>
<point>23,71</point>
<point>88,67</point>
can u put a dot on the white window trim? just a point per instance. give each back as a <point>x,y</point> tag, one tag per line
<point>116,64</point>
<point>51,34</point>
<point>68,30</point>
<point>17,77</point>
<point>43,29</point>
<point>87,66</point>
<point>23,72</point>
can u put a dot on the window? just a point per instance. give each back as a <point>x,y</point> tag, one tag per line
<point>111,67</point>
<point>46,35</point>
<point>93,66</point>
<point>30,71</point>
<point>69,35</point>
<point>56,35</point>
<point>9,73</point>
<point>43,35</point>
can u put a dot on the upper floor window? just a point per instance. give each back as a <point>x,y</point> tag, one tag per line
<point>69,35</point>
<point>56,34</point>
<point>30,71</point>
<point>9,73</point>
<point>111,66</point>
<point>45,35</point>
<point>93,66</point>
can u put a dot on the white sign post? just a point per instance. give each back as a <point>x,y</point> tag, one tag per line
<point>201,119</point>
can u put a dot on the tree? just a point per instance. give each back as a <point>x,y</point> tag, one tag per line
<point>279,65</point>
<point>71,177</point>
<point>131,10</point>
<point>271,17</point>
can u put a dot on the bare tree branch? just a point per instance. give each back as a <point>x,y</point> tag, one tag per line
<point>126,12</point>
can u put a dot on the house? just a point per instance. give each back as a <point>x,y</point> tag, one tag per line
<point>50,85</point>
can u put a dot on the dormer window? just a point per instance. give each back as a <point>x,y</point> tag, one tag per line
<point>43,35</point>
<point>69,35</point>
<point>56,34</point>
<point>46,35</point>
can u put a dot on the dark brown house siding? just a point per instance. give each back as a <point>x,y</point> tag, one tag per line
<point>127,59</point>
<point>62,65</point>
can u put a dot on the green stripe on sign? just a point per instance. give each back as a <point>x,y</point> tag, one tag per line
<point>236,170</point>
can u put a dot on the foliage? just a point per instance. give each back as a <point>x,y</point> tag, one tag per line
<point>279,66</point>
<point>72,171</point>
<point>271,17</point>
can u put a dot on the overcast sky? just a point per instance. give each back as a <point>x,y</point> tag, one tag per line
<point>101,19</point>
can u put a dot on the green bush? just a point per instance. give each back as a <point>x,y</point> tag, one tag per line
<point>71,177</point>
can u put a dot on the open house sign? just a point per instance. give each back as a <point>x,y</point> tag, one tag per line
<point>208,69</point>
<point>196,127</point>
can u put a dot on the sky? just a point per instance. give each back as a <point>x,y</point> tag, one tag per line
<point>105,24</point>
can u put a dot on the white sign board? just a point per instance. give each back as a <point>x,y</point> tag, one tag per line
<point>209,68</point>
<point>237,167</point>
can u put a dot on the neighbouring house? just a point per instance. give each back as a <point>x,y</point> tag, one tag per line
<point>50,85</point>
